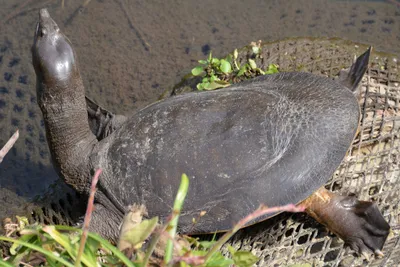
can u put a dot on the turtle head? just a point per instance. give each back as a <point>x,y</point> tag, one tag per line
<point>52,54</point>
<point>61,97</point>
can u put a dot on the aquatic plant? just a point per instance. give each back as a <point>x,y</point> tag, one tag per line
<point>218,73</point>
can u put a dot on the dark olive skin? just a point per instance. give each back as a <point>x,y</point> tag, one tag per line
<point>273,140</point>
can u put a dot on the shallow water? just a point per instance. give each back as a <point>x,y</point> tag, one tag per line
<point>131,51</point>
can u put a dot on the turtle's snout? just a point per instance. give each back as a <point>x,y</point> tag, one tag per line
<point>46,25</point>
<point>43,13</point>
<point>53,57</point>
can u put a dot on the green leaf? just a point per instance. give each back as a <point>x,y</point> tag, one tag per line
<point>198,252</point>
<point>25,238</point>
<point>207,244</point>
<point>260,71</point>
<point>218,260</point>
<point>215,85</point>
<point>140,232</point>
<point>215,61</point>
<point>206,85</point>
<point>223,83</point>
<point>200,87</point>
<point>209,57</point>
<point>242,70</point>
<point>197,71</point>
<point>204,62</point>
<point>213,78</point>
<point>244,258</point>
<point>22,222</point>
<point>252,64</point>
<point>272,68</point>
<point>225,66</point>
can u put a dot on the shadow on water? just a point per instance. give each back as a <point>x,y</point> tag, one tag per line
<point>26,169</point>
<point>21,181</point>
<point>24,177</point>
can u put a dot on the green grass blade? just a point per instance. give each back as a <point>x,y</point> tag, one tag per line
<point>72,249</point>
<point>180,197</point>
<point>38,249</point>
<point>102,241</point>
<point>5,264</point>
<point>113,249</point>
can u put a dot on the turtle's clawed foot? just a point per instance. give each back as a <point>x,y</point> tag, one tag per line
<point>364,229</point>
<point>359,223</point>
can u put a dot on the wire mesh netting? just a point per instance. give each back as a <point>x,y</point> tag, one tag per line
<point>370,170</point>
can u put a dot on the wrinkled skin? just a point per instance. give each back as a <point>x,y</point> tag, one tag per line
<point>273,140</point>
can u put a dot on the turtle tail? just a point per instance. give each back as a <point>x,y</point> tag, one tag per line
<point>352,78</point>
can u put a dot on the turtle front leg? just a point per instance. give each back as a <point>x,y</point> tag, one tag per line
<point>359,223</point>
<point>101,121</point>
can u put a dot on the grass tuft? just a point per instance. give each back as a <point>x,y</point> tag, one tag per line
<point>57,245</point>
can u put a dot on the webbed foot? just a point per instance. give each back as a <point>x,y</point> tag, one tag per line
<point>359,223</point>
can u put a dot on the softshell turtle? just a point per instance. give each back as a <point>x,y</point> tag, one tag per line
<point>273,140</point>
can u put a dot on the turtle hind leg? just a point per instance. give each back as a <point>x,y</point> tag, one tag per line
<point>359,223</point>
<point>352,78</point>
<point>105,222</point>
